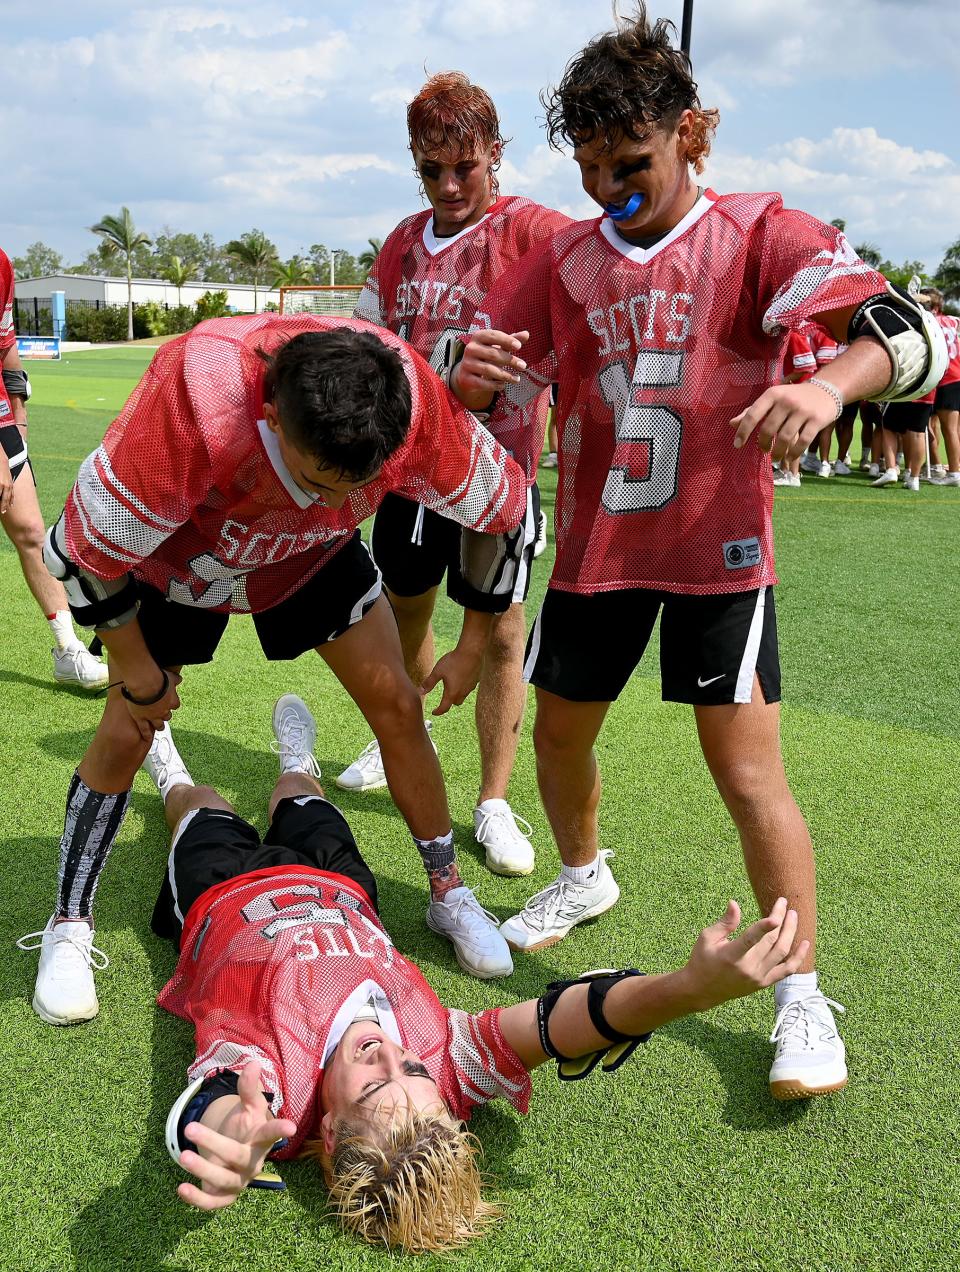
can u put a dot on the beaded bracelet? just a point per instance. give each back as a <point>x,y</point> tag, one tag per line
<point>832,390</point>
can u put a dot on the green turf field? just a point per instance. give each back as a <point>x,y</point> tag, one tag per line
<point>681,1161</point>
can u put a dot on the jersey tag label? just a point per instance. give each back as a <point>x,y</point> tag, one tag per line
<point>5,408</point>
<point>741,554</point>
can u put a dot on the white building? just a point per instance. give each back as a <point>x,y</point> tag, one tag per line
<point>113,291</point>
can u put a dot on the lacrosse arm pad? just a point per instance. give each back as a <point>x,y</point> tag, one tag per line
<point>622,1046</point>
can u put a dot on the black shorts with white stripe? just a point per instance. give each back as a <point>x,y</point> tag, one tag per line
<point>15,448</point>
<point>328,604</point>
<point>212,846</point>
<point>415,547</point>
<point>585,648</point>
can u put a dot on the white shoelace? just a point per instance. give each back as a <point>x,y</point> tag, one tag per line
<point>85,948</point>
<point>473,908</point>
<point>796,1019</point>
<point>369,757</point>
<point>289,745</point>
<point>512,821</point>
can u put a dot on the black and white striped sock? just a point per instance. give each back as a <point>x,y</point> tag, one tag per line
<point>90,827</point>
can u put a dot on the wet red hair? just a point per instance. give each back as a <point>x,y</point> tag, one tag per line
<point>452,117</point>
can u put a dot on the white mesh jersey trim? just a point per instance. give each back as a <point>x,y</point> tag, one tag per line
<point>480,1070</point>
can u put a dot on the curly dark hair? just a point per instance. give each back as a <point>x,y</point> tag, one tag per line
<point>342,396</point>
<point>628,83</point>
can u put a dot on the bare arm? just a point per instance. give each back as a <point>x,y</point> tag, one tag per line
<point>720,968</point>
<point>10,361</point>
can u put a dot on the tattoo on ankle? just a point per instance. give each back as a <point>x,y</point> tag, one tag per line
<point>443,879</point>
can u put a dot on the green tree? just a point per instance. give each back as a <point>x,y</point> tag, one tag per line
<point>178,272</point>
<point>901,274</point>
<point>121,238</point>
<point>254,252</point>
<point>948,271</point>
<point>319,256</point>
<point>296,272</point>
<point>839,223</point>
<point>346,269</point>
<point>37,261</point>
<point>870,253</point>
<point>370,254</point>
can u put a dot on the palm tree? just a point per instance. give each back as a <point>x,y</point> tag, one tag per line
<point>297,272</point>
<point>254,250</point>
<point>370,254</point>
<point>869,253</point>
<point>178,272</point>
<point>121,238</point>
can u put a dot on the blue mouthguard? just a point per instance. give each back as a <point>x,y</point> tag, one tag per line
<point>631,206</point>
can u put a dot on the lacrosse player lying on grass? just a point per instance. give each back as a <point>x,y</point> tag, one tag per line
<point>315,1035</point>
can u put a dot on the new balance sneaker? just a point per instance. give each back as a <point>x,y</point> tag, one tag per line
<point>473,932</point>
<point>910,482</point>
<point>549,460</point>
<point>295,736</point>
<point>549,916</point>
<point>366,772</point>
<point>809,463</point>
<point>810,1057</point>
<point>165,764</point>
<point>541,544</point>
<point>825,470</point>
<point>889,477</point>
<point>75,665</point>
<point>498,830</point>
<point>842,469</point>
<point>65,993</point>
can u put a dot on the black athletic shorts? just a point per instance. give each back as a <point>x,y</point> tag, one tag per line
<point>947,397</point>
<point>325,607</point>
<point>907,417</point>
<point>15,448</point>
<point>415,547</point>
<point>585,648</point>
<point>212,846</point>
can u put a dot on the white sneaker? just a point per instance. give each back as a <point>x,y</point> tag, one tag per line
<point>873,470</point>
<point>508,847</point>
<point>366,773</point>
<point>549,916</point>
<point>165,764</point>
<point>842,469</point>
<point>549,460</point>
<point>786,479</point>
<point>75,665</point>
<point>951,479</point>
<point>295,736</point>
<point>889,477</point>
<point>809,463</point>
<point>810,1058</point>
<point>825,470</point>
<point>473,933</point>
<point>865,463</point>
<point>939,469</point>
<point>541,544</point>
<point>65,993</point>
<point>911,483</point>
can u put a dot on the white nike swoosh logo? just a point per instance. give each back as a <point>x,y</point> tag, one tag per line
<point>703,683</point>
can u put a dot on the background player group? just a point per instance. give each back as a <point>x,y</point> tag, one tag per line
<point>658,322</point>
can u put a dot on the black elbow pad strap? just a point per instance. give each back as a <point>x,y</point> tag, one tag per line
<point>94,602</point>
<point>193,1104</point>
<point>622,1046</point>
<point>17,383</point>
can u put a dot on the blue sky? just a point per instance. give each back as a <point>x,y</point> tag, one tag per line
<point>290,117</point>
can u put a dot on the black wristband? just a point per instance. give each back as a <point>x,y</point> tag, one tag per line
<point>147,702</point>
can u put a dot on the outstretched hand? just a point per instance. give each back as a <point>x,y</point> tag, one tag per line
<point>786,419</point>
<point>724,966</point>
<point>234,1153</point>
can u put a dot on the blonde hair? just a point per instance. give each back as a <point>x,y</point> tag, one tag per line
<point>413,1183</point>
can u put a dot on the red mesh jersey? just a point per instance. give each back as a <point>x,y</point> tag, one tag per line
<point>426,289</point>
<point>188,490</point>
<point>809,347</point>
<point>7,336</point>
<point>656,350</point>
<point>269,959</point>
<point>951,330</point>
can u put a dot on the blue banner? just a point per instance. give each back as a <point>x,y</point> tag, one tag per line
<point>46,347</point>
